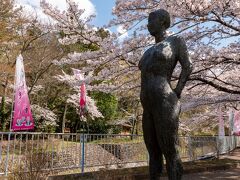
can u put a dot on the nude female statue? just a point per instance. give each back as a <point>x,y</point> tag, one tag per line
<point>161,106</point>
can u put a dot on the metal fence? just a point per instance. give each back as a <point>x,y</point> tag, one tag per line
<point>23,152</point>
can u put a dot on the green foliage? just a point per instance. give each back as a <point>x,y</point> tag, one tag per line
<point>79,47</point>
<point>3,115</point>
<point>72,119</point>
<point>106,103</point>
<point>103,33</point>
<point>116,130</point>
<point>98,126</point>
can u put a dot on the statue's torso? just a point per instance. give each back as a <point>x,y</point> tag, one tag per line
<point>157,65</point>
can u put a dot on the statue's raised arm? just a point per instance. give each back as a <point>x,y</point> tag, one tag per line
<point>186,64</point>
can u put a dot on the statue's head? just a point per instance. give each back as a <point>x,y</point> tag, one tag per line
<point>158,21</point>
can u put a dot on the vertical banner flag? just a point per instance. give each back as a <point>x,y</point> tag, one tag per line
<point>221,131</point>
<point>236,127</point>
<point>83,99</point>
<point>22,116</point>
<point>82,103</point>
<point>231,121</point>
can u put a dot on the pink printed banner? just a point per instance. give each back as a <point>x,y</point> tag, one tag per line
<point>236,126</point>
<point>22,116</point>
<point>82,103</point>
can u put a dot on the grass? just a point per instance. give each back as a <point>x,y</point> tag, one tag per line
<point>122,140</point>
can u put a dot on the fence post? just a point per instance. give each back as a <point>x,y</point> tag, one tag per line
<point>82,141</point>
<point>6,162</point>
<point>52,149</point>
<point>232,142</point>
<point>235,141</point>
<point>218,146</point>
<point>1,151</point>
<point>190,150</point>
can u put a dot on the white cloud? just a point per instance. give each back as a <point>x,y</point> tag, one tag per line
<point>32,7</point>
<point>122,32</point>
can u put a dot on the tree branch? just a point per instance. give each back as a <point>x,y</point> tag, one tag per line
<point>216,86</point>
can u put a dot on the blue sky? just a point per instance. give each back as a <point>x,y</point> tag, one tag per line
<point>104,11</point>
<point>102,8</point>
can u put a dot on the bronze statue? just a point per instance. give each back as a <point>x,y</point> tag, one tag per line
<point>161,106</point>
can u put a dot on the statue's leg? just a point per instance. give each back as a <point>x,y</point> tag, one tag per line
<point>155,152</point>
<point>167,139</point>
<point>166,124</point>
<point>173,161</point>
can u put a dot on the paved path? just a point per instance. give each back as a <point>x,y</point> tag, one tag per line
<point>233,155</point>
<point>223,174</point>
<point>215,175</point>
<point>218,175</point>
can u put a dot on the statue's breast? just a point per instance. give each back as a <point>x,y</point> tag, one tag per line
<point>163,51</point>
<point>159,58</point>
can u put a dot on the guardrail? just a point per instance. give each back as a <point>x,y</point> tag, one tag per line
<point>24,152</point>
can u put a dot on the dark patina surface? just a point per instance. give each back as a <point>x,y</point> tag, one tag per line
<point>159,100</point>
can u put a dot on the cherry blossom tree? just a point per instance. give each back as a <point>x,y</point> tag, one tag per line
<point>204,27</point>
<point>210,28</point>
<point>44,118</point>
<point>73,98</point>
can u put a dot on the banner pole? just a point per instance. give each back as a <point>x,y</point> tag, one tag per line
<point>13,100</point>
